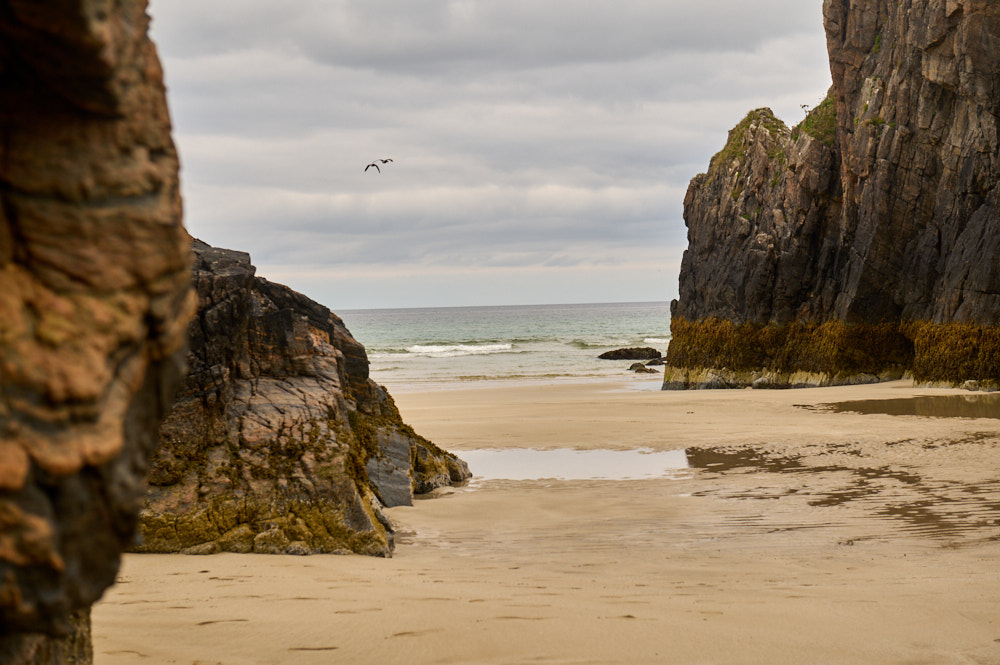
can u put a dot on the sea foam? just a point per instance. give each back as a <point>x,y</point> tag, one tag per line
<point>456,350</point>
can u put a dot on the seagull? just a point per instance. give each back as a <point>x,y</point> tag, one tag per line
<point>375,165</point>
<point>385,160</point>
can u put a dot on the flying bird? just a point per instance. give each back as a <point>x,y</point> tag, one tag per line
<point>375,163</point>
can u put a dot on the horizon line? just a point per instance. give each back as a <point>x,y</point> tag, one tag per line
<point>552,304</point>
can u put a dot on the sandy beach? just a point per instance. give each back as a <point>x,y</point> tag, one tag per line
<point>796,533</point>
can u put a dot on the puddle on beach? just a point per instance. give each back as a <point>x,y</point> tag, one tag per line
<point>915,505</point>
<point>569,464</point>
<point>933,406</point>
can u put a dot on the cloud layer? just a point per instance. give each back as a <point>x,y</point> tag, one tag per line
<point>541,149</point>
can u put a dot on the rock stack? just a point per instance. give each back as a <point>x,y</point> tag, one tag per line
<point>863,243</point>
<point>279,442</point>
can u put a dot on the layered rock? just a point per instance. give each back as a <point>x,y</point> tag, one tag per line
<point>279,442</point>
<point>864,243</point>
<point>94,307</point>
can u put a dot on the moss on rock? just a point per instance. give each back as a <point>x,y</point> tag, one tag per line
<point>954,353</point>
<point>721,353</point>
<point>741,138</point>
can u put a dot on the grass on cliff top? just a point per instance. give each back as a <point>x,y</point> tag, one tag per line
<point>821,122</point>
<point>736,145</point>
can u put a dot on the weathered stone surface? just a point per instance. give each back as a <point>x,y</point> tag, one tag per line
<point>881,208</point>
<point>279,442</point>
<point>631,353</point>
<point>94,306</point>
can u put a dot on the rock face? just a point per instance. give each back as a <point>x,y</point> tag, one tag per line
<point>864,243</point>
<point>279,442</point>
<point>94,306</point>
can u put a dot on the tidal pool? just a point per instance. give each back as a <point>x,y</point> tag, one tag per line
<point>569,464</point>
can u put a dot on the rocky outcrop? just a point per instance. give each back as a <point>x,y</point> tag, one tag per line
<point>863,243</point>
<point>94,307</point>
<point>279,442</point>
<point>631,353</point>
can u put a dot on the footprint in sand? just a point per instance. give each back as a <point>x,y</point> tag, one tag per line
<point>417,633</point>
<point>367,609</point>
<point>207,623</point>
<point>313,648</point>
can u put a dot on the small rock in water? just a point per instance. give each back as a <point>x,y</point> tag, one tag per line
<point>631,353</point>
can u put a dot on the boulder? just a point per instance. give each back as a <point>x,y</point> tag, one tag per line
<point>631,353</point>
<point>279,442</point>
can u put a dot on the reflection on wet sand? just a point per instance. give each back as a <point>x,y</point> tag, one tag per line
<point>932,406</point>
<point>570,464</point>
<point>915,505</point>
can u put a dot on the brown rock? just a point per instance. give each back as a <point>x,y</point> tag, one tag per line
<point>94,307</point>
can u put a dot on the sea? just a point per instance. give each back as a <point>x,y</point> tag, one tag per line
<point>451,347</point>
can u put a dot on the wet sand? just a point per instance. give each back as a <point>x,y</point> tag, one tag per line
<point>797,534</point>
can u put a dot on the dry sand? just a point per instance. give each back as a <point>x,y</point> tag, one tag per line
<point>799,536</point>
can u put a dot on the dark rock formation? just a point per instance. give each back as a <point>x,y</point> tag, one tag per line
<point>279,442</point>
<point>94,306</point>
<point>863,243</point>
<point>631,353</point>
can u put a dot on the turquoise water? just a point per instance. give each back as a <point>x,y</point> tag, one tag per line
<point>445,346</point>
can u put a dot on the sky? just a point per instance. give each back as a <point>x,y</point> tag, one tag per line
<point>541,148</point>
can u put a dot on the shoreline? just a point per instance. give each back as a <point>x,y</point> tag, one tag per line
<point>799,535</point>
<point>628,381</point>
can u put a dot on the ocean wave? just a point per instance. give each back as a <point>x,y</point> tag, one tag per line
<point>513,377</point>
<point>656,340</point>
<point>458,350</point>
<point>597,343</point>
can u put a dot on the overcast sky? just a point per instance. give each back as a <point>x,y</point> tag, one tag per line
<point>541,148</point>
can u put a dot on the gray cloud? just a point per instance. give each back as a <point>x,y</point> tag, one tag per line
<point>552,139</point>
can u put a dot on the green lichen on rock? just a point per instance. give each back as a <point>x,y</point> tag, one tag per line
<point>304,486</point>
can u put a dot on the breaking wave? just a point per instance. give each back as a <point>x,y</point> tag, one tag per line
<point>447,350</point>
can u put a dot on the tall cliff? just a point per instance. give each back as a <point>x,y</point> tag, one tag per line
<point>865,242</point>
<point>94,305</point>
<point>279,442</point>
